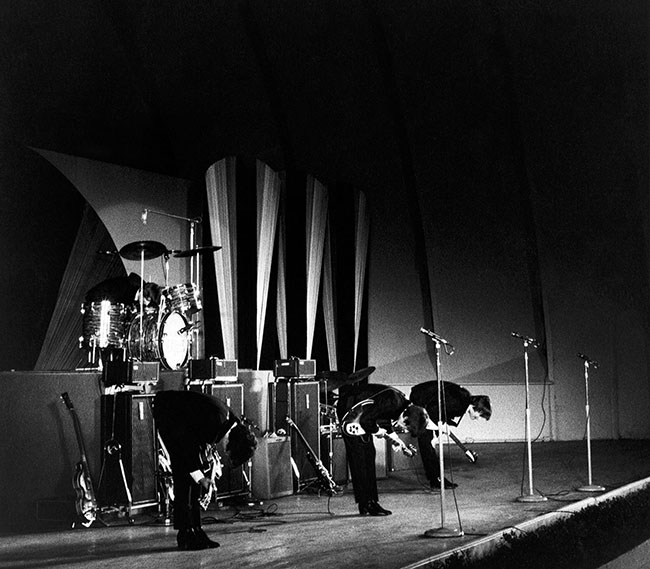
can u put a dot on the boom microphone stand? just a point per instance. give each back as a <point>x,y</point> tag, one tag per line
<point>531,496</point>
<point>441,531</point>
<point>590,486</point>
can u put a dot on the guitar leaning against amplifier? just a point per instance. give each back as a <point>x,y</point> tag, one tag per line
<point>324,478</point>
<point>85,504</point>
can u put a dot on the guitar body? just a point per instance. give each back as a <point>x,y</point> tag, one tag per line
<point>85,502</point>
<point>351,426</point>
<point>213,469</point>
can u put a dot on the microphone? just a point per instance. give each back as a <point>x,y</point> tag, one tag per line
<point>143,217</point>
<point>592,363</point>
<point>185,329</point>
<point>531,341</point>
<point>437,338</point>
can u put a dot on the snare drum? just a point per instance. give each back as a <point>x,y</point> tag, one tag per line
<point>104,324</point>
<point>165,340</point>
<point>183,298</point>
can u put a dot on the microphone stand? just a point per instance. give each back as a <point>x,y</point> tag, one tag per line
<point>442,531</point>
<point>531,496</point>
<point>590,486</point>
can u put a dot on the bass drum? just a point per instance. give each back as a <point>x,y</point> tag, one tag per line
<point>167,342</point>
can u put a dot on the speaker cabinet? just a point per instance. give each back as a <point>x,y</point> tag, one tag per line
<point>271,473</point>
<point>334,457</point>
<point>233,480</point>
<point>128,437</point>
<point>256,397</point>
<point>304,410</point>
<point>279,407</point>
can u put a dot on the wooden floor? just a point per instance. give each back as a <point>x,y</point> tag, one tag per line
<point>322,532</point>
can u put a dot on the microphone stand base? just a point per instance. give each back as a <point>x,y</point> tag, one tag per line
<point>443,532</point>
<point>591,488</point>
<point>532,498</point>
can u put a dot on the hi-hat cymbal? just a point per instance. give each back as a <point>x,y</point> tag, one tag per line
<point>197,251</point>
<point>151,249</point>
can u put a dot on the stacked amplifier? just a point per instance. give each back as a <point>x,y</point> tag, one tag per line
<point>218,378</point>
<point>295,393</point>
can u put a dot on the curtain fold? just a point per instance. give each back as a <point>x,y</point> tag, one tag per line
<point>220,181</point>
<point>268,200</point>
<point>60,349</point>
<point>361,258</point>
<point>281,291</point>
<point>329,308</point>
<point>316,222</point>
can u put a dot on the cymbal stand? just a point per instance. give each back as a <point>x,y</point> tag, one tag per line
<point>442,531</point>
<point>590,487</point>
<point>531,496</point>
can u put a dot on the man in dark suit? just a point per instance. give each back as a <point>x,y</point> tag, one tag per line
<point>456,402</point>
<point>188,421</point>
<point>374,407</point>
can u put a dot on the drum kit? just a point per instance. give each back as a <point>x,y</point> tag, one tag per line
<point>146,332</point>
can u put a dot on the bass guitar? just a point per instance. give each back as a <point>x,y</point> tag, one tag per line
<point>325,480</point>
<point>351,426</point>
<point>85,503</point>
<point>212,470</point>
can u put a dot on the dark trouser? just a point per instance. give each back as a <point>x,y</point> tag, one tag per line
<point>429,456</point>
<point>361,458</point>
<point>187,510</point>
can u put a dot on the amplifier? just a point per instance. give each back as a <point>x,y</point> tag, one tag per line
<point>213,368</point>
<point>294,368</point>
<point>125,372</point>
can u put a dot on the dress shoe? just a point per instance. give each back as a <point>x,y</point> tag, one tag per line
<point>448,485</point>
<point>188,540</point>
<point>372,508</point>
<point>203,538</point>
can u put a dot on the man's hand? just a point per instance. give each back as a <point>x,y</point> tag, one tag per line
<point>206,483</point>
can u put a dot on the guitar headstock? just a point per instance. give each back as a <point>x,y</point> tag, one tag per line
<point>66,399</point>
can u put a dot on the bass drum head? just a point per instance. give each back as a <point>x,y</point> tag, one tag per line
<point>173,341</point>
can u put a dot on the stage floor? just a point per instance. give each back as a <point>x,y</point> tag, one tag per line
<point>319,532</point>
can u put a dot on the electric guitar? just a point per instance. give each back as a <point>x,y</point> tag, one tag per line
<point>85,504</point>
<point>351,425</point>
<point>213,469</point>
<point>326,481</point>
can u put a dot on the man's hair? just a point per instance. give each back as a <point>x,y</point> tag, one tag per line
<point>481,404</point>
<point>415,420</point>
<point>241,444</point>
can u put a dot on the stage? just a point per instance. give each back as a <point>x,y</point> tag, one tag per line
<point>322,532</point>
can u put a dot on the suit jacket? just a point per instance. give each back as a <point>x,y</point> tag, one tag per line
<point>456,400</point>
<point>187,421</point>
<point>388,405</point>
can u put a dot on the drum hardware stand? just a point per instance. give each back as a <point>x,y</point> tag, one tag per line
<point>442,531</point>
<point>531,496</point>
<point>590,487</point>
<point>194,264</point>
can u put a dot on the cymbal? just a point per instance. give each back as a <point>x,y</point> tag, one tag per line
<point>197,251</point>
<point>361,374</point>
<point>336,379</point>
<point>133,251</point>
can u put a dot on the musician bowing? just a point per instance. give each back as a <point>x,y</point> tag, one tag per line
<point>457,401</point>
<point>365,411</point>
<point>188,422</point>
